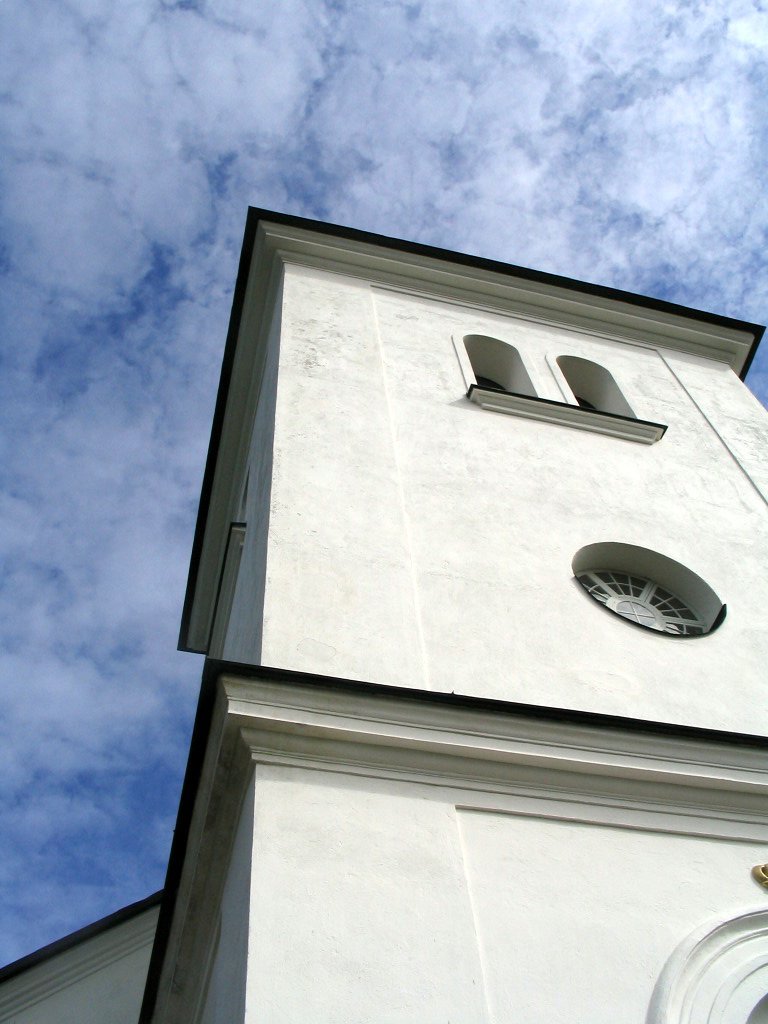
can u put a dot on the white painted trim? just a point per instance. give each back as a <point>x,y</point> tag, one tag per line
<point>567,415</point>
<point>422,741</point>
<point>555,304</point>
<point>559,376</point>
<point>717,975</point>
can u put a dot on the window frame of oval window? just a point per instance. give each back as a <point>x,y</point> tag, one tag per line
<point>651,566</point>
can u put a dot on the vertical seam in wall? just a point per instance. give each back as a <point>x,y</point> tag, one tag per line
<point>401,495</point>
<point>475,918</point>
<point>714,429</point>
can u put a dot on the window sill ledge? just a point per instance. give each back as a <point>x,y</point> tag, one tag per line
<point>625,427</point>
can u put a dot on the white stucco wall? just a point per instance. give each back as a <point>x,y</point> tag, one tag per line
<point>97,981</point>
<point>418,540</point>
<point>363,910</point>
<point>389,902</point>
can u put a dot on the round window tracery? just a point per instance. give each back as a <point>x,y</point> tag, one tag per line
<point>648,589</point>
<point>642,601</point>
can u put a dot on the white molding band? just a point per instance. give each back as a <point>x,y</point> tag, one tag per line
<point>485,288</point>
<point>565,415</point>
<point>531,765</point>
<point>717,975</point>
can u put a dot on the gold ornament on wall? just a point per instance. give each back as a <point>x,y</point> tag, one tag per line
<point>760,874</point>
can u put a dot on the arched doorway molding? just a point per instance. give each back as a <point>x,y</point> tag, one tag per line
<point>717,975</point>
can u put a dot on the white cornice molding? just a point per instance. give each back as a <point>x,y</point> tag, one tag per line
<point>555,304</point>
<point>43,980</point>
<point>427,742</point>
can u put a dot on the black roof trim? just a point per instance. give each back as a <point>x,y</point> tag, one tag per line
<point>81,935</point>
<point>214,669</point>
<point>255,215</point>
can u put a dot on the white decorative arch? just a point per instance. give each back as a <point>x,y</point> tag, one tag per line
<point>499,364</point>
<point>718,975</point>
<point>593,386</point>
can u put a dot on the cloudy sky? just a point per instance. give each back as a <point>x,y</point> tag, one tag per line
<point>613,141</point>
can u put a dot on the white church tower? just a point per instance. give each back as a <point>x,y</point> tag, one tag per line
<point>481,576</point>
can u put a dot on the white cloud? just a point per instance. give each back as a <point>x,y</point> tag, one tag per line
<point>751,29</point>
<point>622,143</point>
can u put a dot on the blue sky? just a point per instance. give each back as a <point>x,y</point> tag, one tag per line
<point>619,143</point>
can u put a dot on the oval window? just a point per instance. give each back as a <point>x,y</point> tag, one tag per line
<point>648,589</point>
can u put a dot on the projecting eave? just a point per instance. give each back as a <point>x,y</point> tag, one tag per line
<point>272,240</point>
